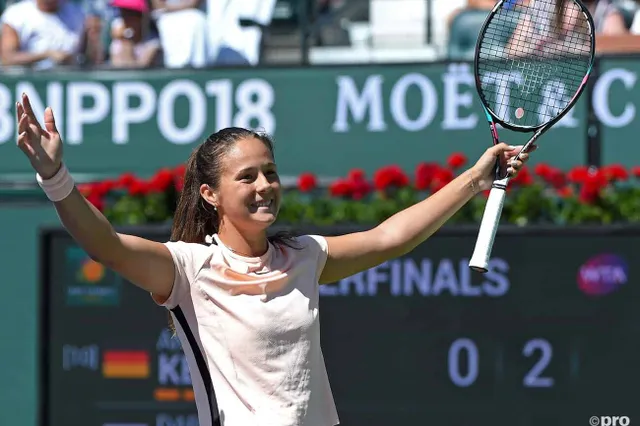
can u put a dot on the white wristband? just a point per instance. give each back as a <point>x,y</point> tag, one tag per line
<point>59,186</point>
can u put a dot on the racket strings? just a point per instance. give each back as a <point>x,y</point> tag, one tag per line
<point>532,59</point>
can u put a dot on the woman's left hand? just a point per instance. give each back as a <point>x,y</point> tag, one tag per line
<point>484,169</point>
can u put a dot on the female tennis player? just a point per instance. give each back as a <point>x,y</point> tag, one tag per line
<point>245,306</point>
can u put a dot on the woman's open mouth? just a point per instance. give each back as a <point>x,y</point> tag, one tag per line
<point>265,204</point>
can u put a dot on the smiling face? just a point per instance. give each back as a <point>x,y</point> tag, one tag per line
<point>248,193</point>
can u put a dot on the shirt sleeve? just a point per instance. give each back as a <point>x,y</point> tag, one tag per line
<point>188,260</point>
<point>15,18</point>
<point>318,249</point>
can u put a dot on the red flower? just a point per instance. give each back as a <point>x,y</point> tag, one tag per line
<point>359,185</point>
<point>98,189</point>
<point>551,175</point>
<point>161,181</point>
<point>441,179</point>
<point>125,180</point>
<point>456,160</point>
<point>424,175</point>
<point>578,174</point>
<point>390,176</point>
<point>523,178</point>
<point>359,188</point>
<point>356,175</point>
<point>96,200</point>
<point>307,182</point>
<point>556,178</point>
<point>179,171</point>
<point>340,188</point>
<point>354,185</point>
<point>589,194</point>
<point>595,180</point>
<point>636,171</point>
<point>592,184</point>
<point>543,170</point>
<point>86,189</point>
<point>139,187</point>
<point>103,188</point>
<point>615,172</point>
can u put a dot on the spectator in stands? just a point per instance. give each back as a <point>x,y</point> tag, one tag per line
<point>606,17</point>
<point>607,20</point>
<point>132,43</point>
<point>184,36</point>
<point>226,38</point>
<point>46,33</point>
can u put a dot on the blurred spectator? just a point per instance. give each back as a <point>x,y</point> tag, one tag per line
<point>226,38</point>
<point>46,33</point>
<point>607,20</point>
<point>133,45</point>
<point>606,17</point>
<point>184,37</point>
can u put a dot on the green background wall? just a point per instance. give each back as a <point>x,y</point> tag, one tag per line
<point>20,314</point>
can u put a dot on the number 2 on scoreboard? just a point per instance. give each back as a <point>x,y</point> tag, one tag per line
<point>533,378</point>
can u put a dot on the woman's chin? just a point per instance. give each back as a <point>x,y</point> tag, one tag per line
<point>266,218</point>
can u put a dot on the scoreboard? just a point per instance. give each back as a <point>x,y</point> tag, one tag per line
<point>550,335</point>
<point>109,356</point>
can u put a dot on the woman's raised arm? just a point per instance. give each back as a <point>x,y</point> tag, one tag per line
<point>402,232</point>
<point>147,264</point>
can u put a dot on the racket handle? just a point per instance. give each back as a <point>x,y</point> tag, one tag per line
<point>488,227</point>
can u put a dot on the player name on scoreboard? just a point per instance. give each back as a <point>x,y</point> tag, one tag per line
<point>173,382</point>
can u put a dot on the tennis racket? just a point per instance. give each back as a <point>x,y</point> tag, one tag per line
<point>532,63</point>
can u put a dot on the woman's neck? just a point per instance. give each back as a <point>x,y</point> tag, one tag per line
<point>245,245</point>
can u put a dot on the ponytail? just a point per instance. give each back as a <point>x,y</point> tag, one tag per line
<point>196,218</point>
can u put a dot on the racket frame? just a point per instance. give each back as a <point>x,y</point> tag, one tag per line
<point>493,209</point>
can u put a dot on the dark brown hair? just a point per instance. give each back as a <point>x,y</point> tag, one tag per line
<point>567,8</point>
<point>559,15</point>
<point>194,218</point>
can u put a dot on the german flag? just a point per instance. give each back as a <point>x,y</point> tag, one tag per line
<point>125,365</point>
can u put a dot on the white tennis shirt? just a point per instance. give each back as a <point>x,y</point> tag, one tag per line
<point>250,331</point>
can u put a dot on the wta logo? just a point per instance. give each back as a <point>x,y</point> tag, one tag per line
<point>602,274</point>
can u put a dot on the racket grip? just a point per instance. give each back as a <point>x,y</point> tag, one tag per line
<point>488,226</point>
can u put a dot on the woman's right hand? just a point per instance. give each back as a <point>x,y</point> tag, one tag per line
<point>43,147</point>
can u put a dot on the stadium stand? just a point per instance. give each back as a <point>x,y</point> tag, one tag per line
<point>291,32</point>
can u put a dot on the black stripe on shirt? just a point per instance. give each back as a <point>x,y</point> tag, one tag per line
<point>202,365</point>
